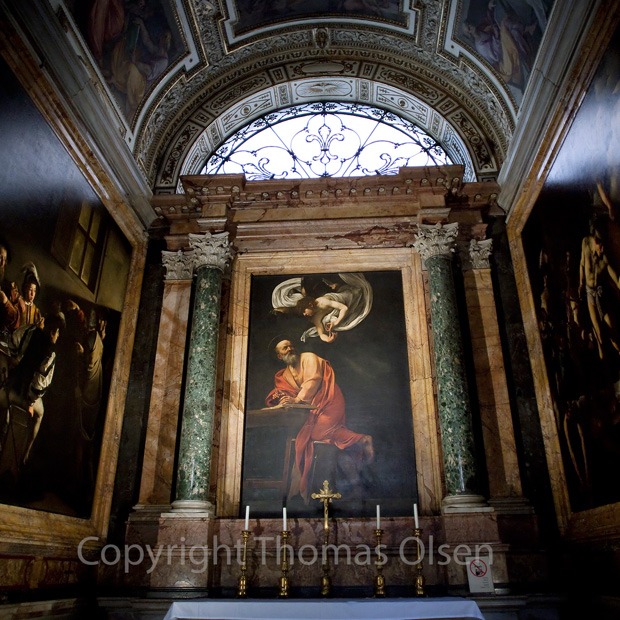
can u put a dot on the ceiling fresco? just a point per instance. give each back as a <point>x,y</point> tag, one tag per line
<point>134,43</point>
<point>252,14</point>
<point>177,68</point>
<point>505,35</point>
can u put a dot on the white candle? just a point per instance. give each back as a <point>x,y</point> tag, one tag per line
<point>378,517</point>
<point>415,516</point>
<point>247,518</point>
<point>284,519</point>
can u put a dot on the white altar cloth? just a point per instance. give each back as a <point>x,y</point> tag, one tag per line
<point>452,608</point>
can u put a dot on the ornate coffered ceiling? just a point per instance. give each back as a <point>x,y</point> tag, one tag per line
<point>213,65</point>
<point>410,63</point>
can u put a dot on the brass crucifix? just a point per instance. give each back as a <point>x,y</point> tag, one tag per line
<point>326,495</point>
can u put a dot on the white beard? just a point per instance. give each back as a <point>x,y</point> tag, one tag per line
<point>290,359</point>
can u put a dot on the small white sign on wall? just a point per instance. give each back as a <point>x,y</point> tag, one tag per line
<point>479,575</point>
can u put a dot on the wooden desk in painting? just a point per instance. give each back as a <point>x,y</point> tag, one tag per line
<point>279,427</point>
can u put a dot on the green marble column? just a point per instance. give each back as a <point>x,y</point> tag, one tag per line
<point>436,245</point>
<point>211,255</point>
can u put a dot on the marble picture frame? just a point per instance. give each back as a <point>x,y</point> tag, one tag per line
<point>418,373</point>
<point>570,198</point>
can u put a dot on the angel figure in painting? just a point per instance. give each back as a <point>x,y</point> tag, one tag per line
<point>332,303</point>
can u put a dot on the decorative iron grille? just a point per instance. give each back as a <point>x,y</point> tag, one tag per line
<point>325,139</point>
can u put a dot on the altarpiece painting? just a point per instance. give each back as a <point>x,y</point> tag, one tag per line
<point>353,425</point>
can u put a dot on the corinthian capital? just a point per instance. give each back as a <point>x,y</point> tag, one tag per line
<point>211,250</point>
<point>479,252</point>
<point>436,240</point>
<point>179,265</point>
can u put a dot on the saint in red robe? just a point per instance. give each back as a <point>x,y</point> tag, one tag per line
<point>314,384</point>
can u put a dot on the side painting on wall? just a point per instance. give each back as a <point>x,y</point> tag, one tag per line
<point>133,43</point>
<point>572,244</point>
<point>63,270</point>
<point>328,395</point>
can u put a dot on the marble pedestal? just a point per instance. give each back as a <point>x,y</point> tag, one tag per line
<point>199,553</point>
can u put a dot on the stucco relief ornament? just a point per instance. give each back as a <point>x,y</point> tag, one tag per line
<point>465,85</point>
<point>211,250</point>
<point>205,8</point>
<point>321,38</point>
<point>179,265</point>
<point>479,253</point>
<point>436,240</point>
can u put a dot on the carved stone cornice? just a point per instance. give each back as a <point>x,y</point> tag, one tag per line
<point>179,265</point>
<point>313,214</point>
<point>211,250</point>
<point>437,240</point>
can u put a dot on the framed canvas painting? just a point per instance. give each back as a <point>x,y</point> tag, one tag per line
<point>346,344</point>
<point>570,247</point>
<point>71,255</point>
<point>332,351</point>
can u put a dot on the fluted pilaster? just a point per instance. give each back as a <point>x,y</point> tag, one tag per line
<point>505,491</point>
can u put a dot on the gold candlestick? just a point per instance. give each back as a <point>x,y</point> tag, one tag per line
<point>242,582</point>
<point>379,578</point>
<point>419,577</point>
<point>284,566</point>
<point>326,582</point>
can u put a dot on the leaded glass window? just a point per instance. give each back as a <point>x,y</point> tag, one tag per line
<point>325,139</point>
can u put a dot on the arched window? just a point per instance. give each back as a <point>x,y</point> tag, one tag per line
<point>325,139</point>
